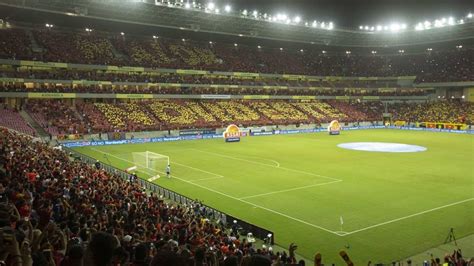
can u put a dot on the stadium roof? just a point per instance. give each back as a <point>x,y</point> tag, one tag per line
<point>173,18</point>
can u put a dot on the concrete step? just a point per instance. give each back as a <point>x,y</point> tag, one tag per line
<point>40,130</point>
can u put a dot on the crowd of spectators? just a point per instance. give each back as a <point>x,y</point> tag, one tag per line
<point>59,118</point>
<point>442,111</point>
<point>146,89</point>
<point>104,48</point>
<point>58,211</point>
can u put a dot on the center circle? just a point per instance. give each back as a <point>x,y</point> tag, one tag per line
<point>381,147</point>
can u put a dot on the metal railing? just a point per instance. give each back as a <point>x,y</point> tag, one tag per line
<point>209,212</point>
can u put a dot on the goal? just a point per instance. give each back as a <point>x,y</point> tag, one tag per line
<point>151,162</point>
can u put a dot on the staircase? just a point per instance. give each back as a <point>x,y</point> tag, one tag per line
<point>41,132</point>
<point>35,47</point>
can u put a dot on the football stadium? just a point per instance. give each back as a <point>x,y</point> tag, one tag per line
<point>242,133</point>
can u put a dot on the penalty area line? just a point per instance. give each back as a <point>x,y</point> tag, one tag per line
<point>237,199</point>
<point>290,189</point>
<point>409,216</point>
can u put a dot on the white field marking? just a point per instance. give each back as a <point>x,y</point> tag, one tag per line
<point>269,165</point>
<point>232,197</point>
<point>409,216</point>
<point>291,189</point>
<point>209,178</point>
<point>338,233</point>
<point>187,166</point>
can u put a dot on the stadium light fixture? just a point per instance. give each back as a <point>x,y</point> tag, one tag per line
<point>183,39</point>
<point>306,24</point>
<point>379,27</point>
<point>374,52</point>
<point>88,30</point>
<point>288,21</point>
<point>217,11</point>
<point>122,33</point>
<point>255,14</point>
<point>301,50</point>
<point>401,51</point>
<point>315,24</point>
<point>403,26</point>
<point>235,45</point>
<point>240,35</point>
<point>469,15</point>
<point>259,47</point>
<point>459,46</point>
<point>187,5</point>
<point>210,42</point>
<point>323,52</point>
<point>366,28</point>
<point>211,6</point>
<point>372,28</point>
<point>227,8</point>
<point>385,27</point>
<point>429,49</point>
<point>297,19</point>
<point>463,96</point>
<point>330,26</point>
<point>348,52</point>
<point>451,21</point>
<point>281,48</point>
<point>245,12</point>
<point>361,27</point>
<point>155,37</point>
<point>49,25</point>
<point>323,25</point>
<point>461,21</point>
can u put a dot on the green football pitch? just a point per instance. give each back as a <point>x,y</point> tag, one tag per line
<point>393,205</point>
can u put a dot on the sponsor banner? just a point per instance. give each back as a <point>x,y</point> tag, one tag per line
<point>370,97</point>
<point>256,97</point>
<point>232,139</point>
<point>245,74</point>
<point>303,97</point>
<point>51,95</point>
<point>334,128</point>
<point>343,97</point>
<point>191,72</point>
<point>216,96</point>
<point>267,133</point>
<point>11,80</point>
<point>264,133</point>
<point>133,96</point>
<point>196,132</point>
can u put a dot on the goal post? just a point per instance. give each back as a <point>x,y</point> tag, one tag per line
<point>151,161</point>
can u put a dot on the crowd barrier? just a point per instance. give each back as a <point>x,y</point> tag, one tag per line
<point>258,133</point>
<point>210,213</point>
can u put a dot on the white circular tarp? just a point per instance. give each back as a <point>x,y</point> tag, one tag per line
<point>381,147</point>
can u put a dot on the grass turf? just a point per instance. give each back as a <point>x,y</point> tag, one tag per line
<point>393,205</point>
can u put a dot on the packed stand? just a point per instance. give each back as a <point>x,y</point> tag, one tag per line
<point>107,49</point>
<point>439,111</point>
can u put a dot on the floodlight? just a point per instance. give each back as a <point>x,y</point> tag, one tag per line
<point>281,49</point>
<point>297,19</point>
<point>366,28</point>
<point>451,21</point>
<point>401,51</point>
<point>306,24</point>
<point>404,26</point>
<point>245,12</point>
<point>227,8</point>
<point>288,21</point>
<point>155,37</point>
<point>255,13</point>
<point>217,11</point>
<point>385,27</point>
<point>461,21</point>
<point>379,27</point>
<point>323,25</point>
<point>348,52</point>
<point>429,49</point>
<point>331,26</point>
<point>236,45</point>
<point>122,33</point>
<point>210,42</point>
<point>187,5</point>
<point>323,51</point>
<point>374,52</point>
<point>259,47</point>
<point>469,15</point>
<point>265,15</point>
<point>372,28</point>
<point>211,6</point>
<point>183,39</point>
<point>361,27</point>
<point>301,50</point>
<point>315,24</point>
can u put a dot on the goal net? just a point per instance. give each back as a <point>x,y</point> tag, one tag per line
<point>151,162</point>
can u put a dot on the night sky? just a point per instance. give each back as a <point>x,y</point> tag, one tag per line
<point>352,13</point>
